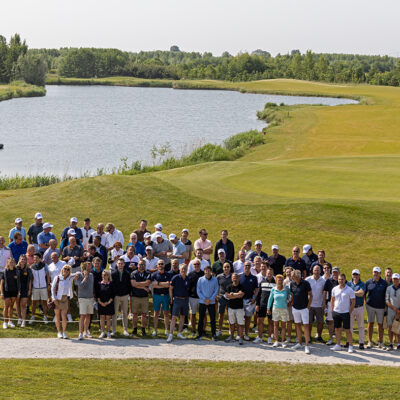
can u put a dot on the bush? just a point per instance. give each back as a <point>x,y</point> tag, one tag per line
<point>270,105</point>
<point>209,152</point>
<point>245,139</point>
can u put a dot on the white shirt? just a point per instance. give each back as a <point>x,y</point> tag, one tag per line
<point>64,287</point>
<point>5,254</point>
<point>115,252</point>
<point>116,236</point>
<point>55,269</point>
<point>154,238</point>
<point>151,264</point>
<point>238,267</point>
<point>317,288</point>
<point>103,237</point>
<point>86,236</point>
<point>342,298</point>
<point>204,264</point>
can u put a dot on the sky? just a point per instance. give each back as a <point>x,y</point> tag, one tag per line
<point>330,26</point>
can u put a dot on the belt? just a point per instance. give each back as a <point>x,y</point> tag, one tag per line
<point>362,305</point>
<point>180,298</point>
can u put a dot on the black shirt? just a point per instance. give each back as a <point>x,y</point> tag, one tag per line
<point>309,260</point>
<point>299,264</point>
<point>140,277</point>
<point>156,276</point>
<point>223,282</point>
<point>277,263</point>
<point>97,277</point>
<point>121,283</point>
<point>10,280</point>
<point>34,231</point>
<point>329,285</point>
<point>193,278</point>
<point>104,291</point>
<point>235,304</point>
<point>300,294</point>
<point>264,290</point>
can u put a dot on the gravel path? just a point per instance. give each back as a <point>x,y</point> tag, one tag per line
<point>188,350</point>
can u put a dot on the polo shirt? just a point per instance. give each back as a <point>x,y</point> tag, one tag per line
<point>44,238</point>
<point>14,230</point>
<point>264,291</point>
<point>140,234</point>
<point>171,273</point>
<point>34,231</point>
<point>158,277</point>
<point>203,244</point>
<point>193,278</point>
<point>77,251</point>
<point>217,267</point>
<point>116,236</point>
<point>238,267</point>
<point>329,285</point>
<point>180,285</point>
<point>78,232</point>
<point>223,282</point>
<point>178,249</point>
<point>376,293</point>
<point>317,288</point>
<point>18,250</point>
<point>235,304</point>
<point>139,277</point>
<point>151,263</point>
<point>360,286</point>
<point>343,298</point>
<point>249,284</point>
<point>309,260</point>
<point>300,294</point>
<point>263,255</point>
<point>139,247</point>
<point>165,245</point>
<point>277,263</point>
<point>299,264</point>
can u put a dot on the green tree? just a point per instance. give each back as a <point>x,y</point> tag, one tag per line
<point>32,68</point>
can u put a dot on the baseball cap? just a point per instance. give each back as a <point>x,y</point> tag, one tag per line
<point>306,248</point>
<point>18,220</point>
<point>275,247</point>
<point>158,234</point>
<point>376,269</point>
<point>335,269</point>
<point>71,232</point>
<point>172,236</point>
<point>38,216</point>
<point>47,225</point>
<point>221,251</point>
<point>355,271</point>
<point>73,219</point>
<point>185,230</point>
<point>149,248</point>
<point>257,242</point>
<point>147,235</point>
<point>158,226</point>
<point>396,276</point>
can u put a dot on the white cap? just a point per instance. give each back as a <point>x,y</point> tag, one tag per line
<point>221,251</point>
<point>18,220</point>
<point>185,230</point>
<point>71,232</point>
<point>149,248</point>
<point>257,242</point>
<point>71,261</point>
<point>158,234</point>
<point>275,247</point>
<point>172,236</point>
<point>355,271</point>
<point>73,219</point>
<point>158,226</point>
<point>306,248</point>
<point>47,225</point>
<point>146,235</point>
<point>38,216</point>
<point>396,276</point>
<point>376,269</point>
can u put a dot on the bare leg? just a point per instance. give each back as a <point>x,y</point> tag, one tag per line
<point>380,332</point>
<point>102,318</point>
<point>166,319</point>
<point>64,320</point>
<point>156,316</point>
<point>260,322</point>
<point>181,323</point>
<point>299,333</point>
<point>58,318</point>
<point>172,327</point>
<point>370,330</point>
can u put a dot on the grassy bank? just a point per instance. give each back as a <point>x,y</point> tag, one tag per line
<point>20,89</point>
<point>162,379</point>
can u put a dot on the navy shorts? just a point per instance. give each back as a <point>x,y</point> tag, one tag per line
<point>180,306</point>
<point>222,305</point>
<point>262,312</point>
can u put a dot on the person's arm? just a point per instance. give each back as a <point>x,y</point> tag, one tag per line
<point>352,304</point>
<point>200,293</point>
<point>309,299</point>
<point>332,302</point>
<point>270,300</point>
<point>324,294</point>
<point>255,293</point>
<point>2,288</point>
<point>171,294</point>
<point>387,298</point>
<point>215,291</point>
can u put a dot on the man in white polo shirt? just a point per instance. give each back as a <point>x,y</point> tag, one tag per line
<point>198,256</point>
<point>113,235</point>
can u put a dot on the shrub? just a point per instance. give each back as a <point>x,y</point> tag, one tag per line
<point>245,139</point>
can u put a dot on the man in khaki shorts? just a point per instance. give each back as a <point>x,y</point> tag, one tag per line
<point>140,280</point>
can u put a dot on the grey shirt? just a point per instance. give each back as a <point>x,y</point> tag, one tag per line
<point>393,296</point>
<point>165,245</point>
<point>47,255</point>
<point>77,251</point>
<point>86,289</point>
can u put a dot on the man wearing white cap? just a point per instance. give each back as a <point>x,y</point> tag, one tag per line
<point>161,249</point>
<point>178,249</point>
<point>309,257</point>
<point>375,290</point>
<point>276,261</point>
<point>45,236</point>
<point>158,230</point>
<point>258,251</point>
<point>34,231</point>
<point>393,304</point>
<point>18,228</point>
<point>217,267</point>
<point>73,224</point>
<point>65,242</point>
<point>358,313</point>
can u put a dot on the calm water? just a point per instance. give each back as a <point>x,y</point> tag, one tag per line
<point>81,128</point>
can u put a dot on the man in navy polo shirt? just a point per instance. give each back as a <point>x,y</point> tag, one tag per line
<point>257,252</point>
<point>179,294</point>
<point>375,290</point>
<point>296,262</point>
<point>309,257</point>
<point>73,224</point>
<point>276,261</point>
<point>249,283</point>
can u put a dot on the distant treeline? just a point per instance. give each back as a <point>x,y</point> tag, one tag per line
<point>176,64</point>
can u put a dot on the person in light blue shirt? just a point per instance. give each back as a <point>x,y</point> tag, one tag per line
<point>207,290</point>
<point>44,237</point>
<point>18,228</point>
<point>178,249</point>
<point>139,246</point>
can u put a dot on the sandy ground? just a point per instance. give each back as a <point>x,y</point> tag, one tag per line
<point>188,350</point>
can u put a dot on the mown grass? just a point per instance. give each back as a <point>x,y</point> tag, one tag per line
<point>164,379</point>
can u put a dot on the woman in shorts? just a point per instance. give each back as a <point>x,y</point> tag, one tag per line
<point>9,291</point>
<point>278,301</point>
<point>105,300</point>
<point>24,289</point>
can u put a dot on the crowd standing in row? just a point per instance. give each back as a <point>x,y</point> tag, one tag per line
<point>248,286</point>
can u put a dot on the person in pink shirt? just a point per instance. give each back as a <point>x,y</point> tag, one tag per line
<point>204,244</point>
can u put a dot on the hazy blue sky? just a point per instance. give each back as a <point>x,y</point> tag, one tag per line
<point>342,26</point>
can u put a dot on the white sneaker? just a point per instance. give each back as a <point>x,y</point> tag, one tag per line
<point>45,319</point>
<point>180,336</point>
<point>109,335</point>
<point>23,324</point>
<point>246,338</point>
<point>154,334</point>
<point>269,340</point>
<point>316,336</point>
<point>284,345</point>
<point>170,337</point>
<point>307,350</point>
<point>80,337</point>
<point>88,334</point>
<point>10,324</point>
<point>276,344</point>
<point>297,346</point>
<point>126,333</point>
<point>69,318</point>
<point>336,347</point>
<point>287,341</point>
<point>329,342</point>
<point>19,321</point>
<point>59,335</point>
<point>350,350</point>
<point>257,340</point>
<point>5,326</point>
<point>219,333</point>
<point>166,332</point>
<point>65,336</point>
<point>237,337</point>
<point>102,335</point>
<point>32,319</point>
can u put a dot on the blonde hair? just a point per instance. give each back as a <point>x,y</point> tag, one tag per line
<point>9,261</point>
<point>66,266</point>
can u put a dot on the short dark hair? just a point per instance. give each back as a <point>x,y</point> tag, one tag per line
<point>17,235</point>
<point>207,267</point>
<point>144,220</point>
<point>87,219</point>
<point>37,254</point>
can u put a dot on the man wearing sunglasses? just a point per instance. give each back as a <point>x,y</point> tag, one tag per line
<point>204,244</point>
<point>296,262</point>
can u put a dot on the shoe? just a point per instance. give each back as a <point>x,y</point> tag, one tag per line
<point>166,332</point>
<point>350,350</point>
<point>297,346</point>
<point>269,341</point>
<point>336,347</point>
<point>80,337</point>
<point>170,337</point>
<point>287,341</point>
<point>346,346</point>
<point>198,337</point>
<point>108,335</point>
<point>111,333</point>
<point>84,335</point>
<point>361,346</point>
<point>88,334</point>
<point>45,320</point>
<point>390,347</point>
<point>329,342</point>
<point>154,334</point>
<point>241,342</point>
<point>31,319</point>
<point>181,336</point>
<point>214,338</point>
<point>237,337</point>
<point>254,329</point>
<point>229,339</point>
<point>69,318</point>
<point>307,350</point>
<point>398,347</point>
<point>23,324</point>
<point>102,335</point>
<point>143,332</point>
<point>316,336</point>
<point>19,321</point>
<point>134,331</point>
<point>126,333</point>
<point>5,326</point>
<point>59,335</point>
<point>65,335</point>
<point>320,340</point>
<point>257,340</point>
<point>246,338</point>
<point>284,345</point>
<point>10,324</point>
<point>219,333</point>
<point>370,345</point>
<point>276,344</point>
<point>381,345</point>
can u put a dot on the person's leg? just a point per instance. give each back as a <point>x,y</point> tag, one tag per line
<point>370,330</point>
<point>64,320</point>
<point>193,319</point>
<point>270,327</point>
<point>338,335</point>
<point>181,323</point>
<point>86,322</point>
<point>213,322</point>
<point>144,320</point>
<point>202,313</point>
<point>260,322</point>
<point>108,319</point>
<point>299,333</point>
<point>34,305</point>
<point>23,304</point>
<point>331,329</point>
<point>359,314</point>
<point>58,319</point>
<point>349,337</point>
<point>114,317</point>
<point>135,317</point>
<point>240,331</point>
<point>320,327</point>
<point>81,323</point>
<point>172,326</point>
<point>276,330</point>
<point>311,320</point>
<point>125,308</point>
<point>289,330</point>
<point>232,329</point>
<point>247,321</point>
<point>102,319</point>
<point>155,321</point>
<point>44,306</point>
<point>283,333</point>
<point>380,333</point>
<point>18,305</point>
<point>306,334</point>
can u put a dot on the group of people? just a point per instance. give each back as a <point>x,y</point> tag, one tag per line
<point>190,283</point>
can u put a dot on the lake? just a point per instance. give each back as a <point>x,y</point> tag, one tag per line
<point>74,129</point>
